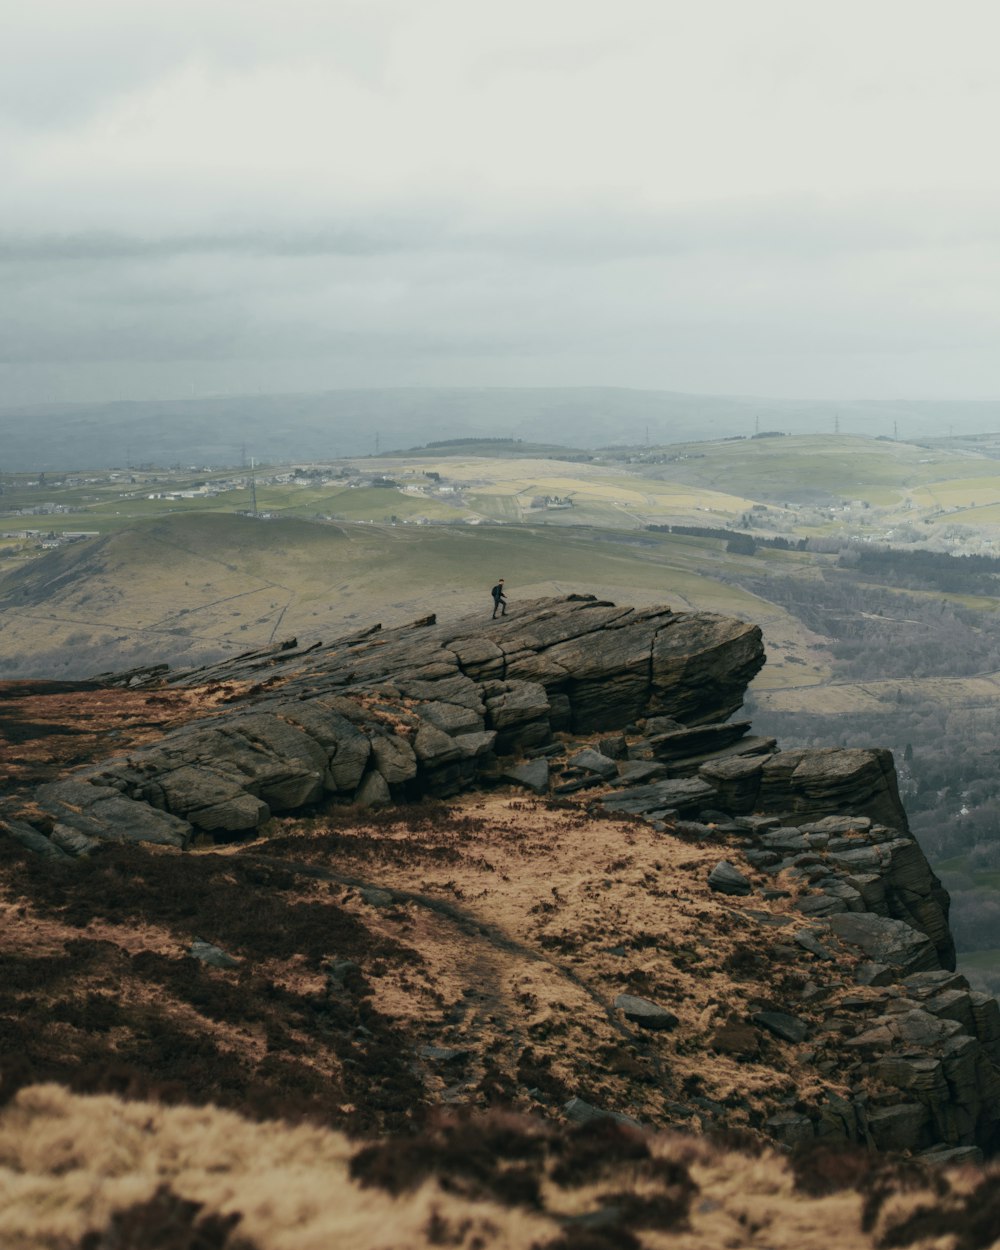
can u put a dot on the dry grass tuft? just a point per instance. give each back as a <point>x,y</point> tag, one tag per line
<point>96,1173</point>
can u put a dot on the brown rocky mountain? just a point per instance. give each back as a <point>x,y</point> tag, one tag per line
<point>508,900</point>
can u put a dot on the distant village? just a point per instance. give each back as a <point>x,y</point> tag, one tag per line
<point>182,484</point>
<point>28,501</point>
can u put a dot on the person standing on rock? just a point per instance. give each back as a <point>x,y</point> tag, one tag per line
<point>499,600</point>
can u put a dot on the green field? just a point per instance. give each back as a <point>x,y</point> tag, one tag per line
<point>958,868</point>
<point>473,489</point>
<point>882,472</point>
<point>979,961</point>
<point>705,483</point>
<point>193,583</point>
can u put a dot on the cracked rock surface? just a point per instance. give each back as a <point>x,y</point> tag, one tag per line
<point>422,710</point>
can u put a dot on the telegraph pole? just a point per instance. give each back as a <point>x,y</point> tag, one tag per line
<point>253,489</point>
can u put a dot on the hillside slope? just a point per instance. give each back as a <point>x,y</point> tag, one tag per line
<point>821,468</point>
<point>191,588</point>
<point>406,884</point>
<point>503,935</point>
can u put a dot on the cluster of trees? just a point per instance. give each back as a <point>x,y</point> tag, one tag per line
<point>874,632</point>
<point>921,569</point>
<point>735,540</point>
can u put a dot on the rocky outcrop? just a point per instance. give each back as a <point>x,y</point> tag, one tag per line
<point>809,783</point>
<point>628,711</point>
<point>924,1050</point>
<point>932,1042</point>
<point>81,812</point>
<point>869,882</point>
<point>428,709</point>
<point>423,710</point>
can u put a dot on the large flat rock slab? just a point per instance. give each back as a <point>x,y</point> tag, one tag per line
<point>385,716</point>
<point>814,782</point>
<point>886,941</point>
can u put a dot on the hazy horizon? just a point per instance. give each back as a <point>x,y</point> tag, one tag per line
<point>556,387</point>
<point>329,425</point>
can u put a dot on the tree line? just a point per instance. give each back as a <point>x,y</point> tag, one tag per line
<point>736,540</point>
<point>920,569</point>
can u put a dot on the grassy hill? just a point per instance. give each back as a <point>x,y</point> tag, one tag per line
<point>820,468</point>
<point>183,579</point>
<point>439,488</point>
<point>804,486</point>
<point>191,586</point>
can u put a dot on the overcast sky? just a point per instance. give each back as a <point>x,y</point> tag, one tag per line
<point>779,197</point>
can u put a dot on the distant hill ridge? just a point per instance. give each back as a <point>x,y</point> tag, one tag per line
<point>219,430</point>
<point>193,587</point>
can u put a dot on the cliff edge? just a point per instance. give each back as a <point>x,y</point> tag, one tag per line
<point>529,863</point>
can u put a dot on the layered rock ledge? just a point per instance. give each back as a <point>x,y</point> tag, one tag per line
<point>389,716</point>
